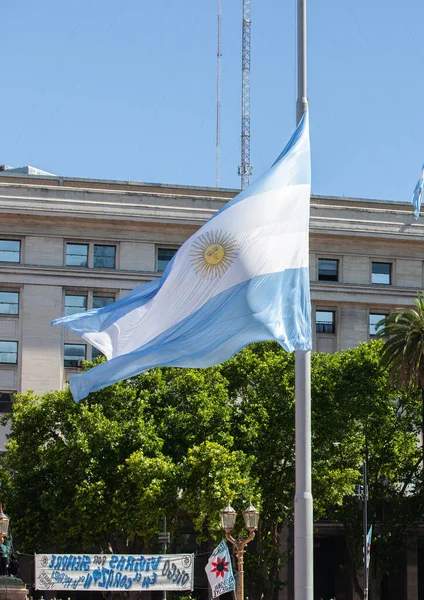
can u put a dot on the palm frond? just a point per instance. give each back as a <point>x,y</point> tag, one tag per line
<point>403,352</point>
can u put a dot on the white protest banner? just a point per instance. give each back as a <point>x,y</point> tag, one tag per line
<point>220,571</point>
<point>113,572</point>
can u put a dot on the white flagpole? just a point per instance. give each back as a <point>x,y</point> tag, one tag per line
<point>302,94</point>
<point>303,517</point>
<point>303,508</point>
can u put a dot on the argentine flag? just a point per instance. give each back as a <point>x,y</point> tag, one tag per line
<point>418,195</point>
<point>242,278</point>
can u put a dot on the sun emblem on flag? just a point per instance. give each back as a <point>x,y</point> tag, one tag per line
<point>220,567</point>
<point>212,253</point>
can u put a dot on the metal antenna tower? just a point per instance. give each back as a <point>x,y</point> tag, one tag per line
<point>218,96</point>
<point>245,170</point>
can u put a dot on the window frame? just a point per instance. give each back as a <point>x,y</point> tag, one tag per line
<point>391,271</point>
<point>95,352</point>
<point>74,295</point>
<point>9,314</point>
<point>86,244</point>
<point>91,353</point>
<point>11,262</point>
<point>333,323</point>
<point>97,245</point>
<point>113,298</point>
<point>90,294</point>
<point>165,248</point>
<point>76,366</point>
<point>90,244</point>
<point>5,402</point>
<point>5,352</point>
<point>381,315</point>
<point>336,260</point>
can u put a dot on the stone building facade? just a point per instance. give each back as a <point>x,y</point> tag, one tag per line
<point>69,244</point>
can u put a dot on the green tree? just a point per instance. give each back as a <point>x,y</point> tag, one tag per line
<point>403,331</point>
<point>262,389</point>
<point>211,476</point>
<point>102,474</point>
<point>187,407</point>
<point>403,353</point>
<point>387,423</point>
<point>71,463</point>
<point>353,412</point>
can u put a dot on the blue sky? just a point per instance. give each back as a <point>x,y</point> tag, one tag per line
<point>125,89</point>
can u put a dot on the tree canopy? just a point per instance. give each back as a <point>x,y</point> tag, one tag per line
<point>181,443</point>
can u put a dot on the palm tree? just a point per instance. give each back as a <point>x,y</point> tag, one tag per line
<point>403,352</point>
<point>403,331</point>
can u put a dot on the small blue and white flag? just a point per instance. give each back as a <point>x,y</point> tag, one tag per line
<point>418,194</point>
<point>368,550</point>
<point>242,278</point>
<point>219,571</point>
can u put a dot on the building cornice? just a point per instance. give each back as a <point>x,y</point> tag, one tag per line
<point>152,203</point>
<point>362,293</point>
<point>74,183</point>
<point>114,278</point>
<point>140,209</point>
<point>61,275</point>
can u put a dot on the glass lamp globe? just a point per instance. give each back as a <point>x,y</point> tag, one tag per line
<point>251,517</point>
<point>4,523</point>
<point>228,518</point>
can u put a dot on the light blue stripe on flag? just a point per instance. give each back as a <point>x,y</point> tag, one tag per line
<point>256,310</point>
<point>243,277</point>
<point>418,194</point>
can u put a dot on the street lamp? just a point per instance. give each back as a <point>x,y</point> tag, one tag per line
<point>4,524</point>
<point>251,519</point>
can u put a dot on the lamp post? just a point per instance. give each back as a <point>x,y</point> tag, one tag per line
<point>251,519</point>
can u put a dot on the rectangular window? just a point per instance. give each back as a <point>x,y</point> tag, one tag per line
<point>9,353</point>
<point>9,303</point>
<point>95,352</point>
<point>164,257</point>
<point>6,401</point>
<point>328,269</point>
<point>325,321</point>
<point>74,354</point>
<point>104,257</point>
<point>374,318</point>
<point>10,251</point>
<point>101,301</point>
<point>381,273</point>
<point>75,304</point>
<point>76,255</point>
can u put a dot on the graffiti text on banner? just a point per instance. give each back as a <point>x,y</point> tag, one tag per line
<point>112,572</point>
